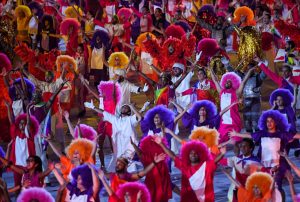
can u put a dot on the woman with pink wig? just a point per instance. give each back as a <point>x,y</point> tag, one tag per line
<point>35,194</point>
<point>230,89</point>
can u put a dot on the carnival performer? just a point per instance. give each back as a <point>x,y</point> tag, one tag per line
<point>46,41</point>
<point>272,137</point>
<point>23,15</point>
<point>197,167</point>
<point>230,90</point>
<point>33,25</point>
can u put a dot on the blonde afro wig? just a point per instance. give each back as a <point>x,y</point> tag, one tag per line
<point>122,57</point>
<point>71,68</point>
<point>73,12</point>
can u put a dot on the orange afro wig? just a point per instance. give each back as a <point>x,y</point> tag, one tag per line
<point>244,11</point>
<point>206,135</point>
<point>263,181</point>
<point>23,9</point>
<point>122,57</point>
<point>143,37</point>
<point>83,146</point>
<point>73,12</point>
<point>71,67</point>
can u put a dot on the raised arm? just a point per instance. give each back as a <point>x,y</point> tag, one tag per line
<point>47,172</point>
<point>229,107</point>
<point>49,139</point>
<point>179,116</point>
<point>241,88</point>
<point>96,183</point>
<point>150,81</point>
<point>136,112</point>
<point>59,178</point>
<point>241,135</point>
<point>167,130</point>
<point>292,164</point>
<point>70,126</point>
<point>84,82</point>
<point>52,98</point>
<point>91,105</point>
<point>104,182</point>
<point>137,150</point>
<point>158,141</point>
<point>215,80</point>
<point>234,181</point>
<point>11,117</point>
<point>9,164</point>
<point>275,77</point>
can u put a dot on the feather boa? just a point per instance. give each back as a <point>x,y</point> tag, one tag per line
<point>111,93</point>
<point>87,132</point>
<point>290,30</point>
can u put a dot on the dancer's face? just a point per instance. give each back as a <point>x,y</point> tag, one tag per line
<point>256,192</point>
<point>279,101</point>
<point>201,75</point>
<point>245,148</point>
<point>202,111</point>
<point>30,163</point>
<point>270,123</point>
<point>22,125</point>
<point>76,155</point>
<point>228,84</point>
<point>286,72</point>
<point>194,158</point>
<point>177,71</point>
<point>157,120</point>
<point>125,110</point>
<point>117,61</point>
<point>120,166</point>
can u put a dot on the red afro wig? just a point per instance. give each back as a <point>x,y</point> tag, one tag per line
<point>175,31</point>
<point>34,122</point>
<point>233,77</point>
<point>266,39</point>
<point>208,46</point>
<point>67,23</point>
<point>87,132</point>
<point>148,146</point>
<point>133,188</point>
<point>4,62</point>
<point>199,147</point>
<point>124,14</point>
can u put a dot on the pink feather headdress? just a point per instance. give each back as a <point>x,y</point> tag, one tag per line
<point>35,193</point>
<point>87,132</point>
<point>233,77</point>
<point>111,93</point>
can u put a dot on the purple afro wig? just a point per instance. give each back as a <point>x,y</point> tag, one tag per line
<point>208,8</point>
<point>199,147</point>
<point>133,188</point>
<point>35,193</point>
<point>165,114</point>
<point>29,84</point>
<point>233,77</point>
<point>86,174</point>
<point>35,124</point>
<point>210,107</point>
<point>35,5</point>
<point>4,62</point>
<point>186,27</point>
<point>87,132</point>
<point>279,119</point>
<point>286,95</point>
<point>104,38</point>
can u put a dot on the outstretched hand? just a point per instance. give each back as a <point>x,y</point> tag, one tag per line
<point>89,105</point>
<point>157,139</point>
<point>159,158</point>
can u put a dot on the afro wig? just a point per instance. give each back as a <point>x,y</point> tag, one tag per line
<point>35,194</point>
<point>143,37</point>
<point>165,114</point>
<point>30,88</point>
<point>210,107</point>
<point>71,68</point>
<point>124,14</point>
<point>208,46</point>
<point>24,9</point>
<point>123,60</point>
<point>83,146</point>
<point>149,147</point>
<point>207,13</point>
<point>183,24</point>
<point>86,174</point>
<point>67,23</point>
<point>104,37</point>
<point>35,5</point>
<point>4,62</point>
<point>34,123</point>
<point>206,135</point>
<point>199,147</point>
<point>244,11</point>
<point>263,181</point>
<point>175,31</point>
<point>280,120</point>
<point>73,12</point>
<point>133,188</point>
<point>286,95</point>
<point>87,132</point>
<point>233,77</point>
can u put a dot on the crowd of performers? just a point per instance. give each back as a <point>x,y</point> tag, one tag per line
<point>200,66</point>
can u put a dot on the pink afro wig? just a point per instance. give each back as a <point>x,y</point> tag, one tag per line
<point>208,46</point>
<point>133,188</point>
<point>87,132</point>
<point>67,23</point>
<point>149,147</point>
<point>175,31</point>
<point>199,147</point>
<point>35,193</point>
<point>124,14</point>
<point>4,62</point>
<point>233,77</point>
<point>34,122</point>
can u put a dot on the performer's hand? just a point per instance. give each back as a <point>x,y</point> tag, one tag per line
<point>66,114</point>
<point>159,158</point>
<point>145,88</point>
<point>157,139</point>
<point>283,154</point>
<point>146,104</point>
<point>89,105</point>
<point>223,150</point>
<point>139,196</point>
<point>198,56</point>
<point>233,133</point>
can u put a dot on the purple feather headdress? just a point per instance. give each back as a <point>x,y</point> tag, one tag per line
<point>39,194</point>
<point>87,132</point>
<point>199,147</point>
<point>35,5</point>
<point>286,95</point>
<point>207,13</point>
<point>133,188</point>
<point>210,107</point>
<point>279,119</point>
<point>166,115</point>
<point>233,77</point>
<point>29,84</point>
<point>34,123</point>
<point>104,37</point>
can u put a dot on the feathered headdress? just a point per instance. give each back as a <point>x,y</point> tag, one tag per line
<point>67,23</point>
<point>35,5</point>
<point>83,146</point>
<point>122,57</point>
<point>29,84</point>
<point>279,119</point>
<point>244,11</point>
<point>71,68</point>
<point>233,77</point>
<point>206,135</point>
<point>35,194</point>
<point>34,123</point>
<point>175,31</point>
<point>199,147</point>
<point>124,14</point>
<point>73,12</point>
<point>87,132</point>
<point>4,62</point>
<point>104,37</point>
<point>183,24</point>
<point>263,181</point>
<point>132,188</point>
<point>286,95</point>
<point>165,114</point>
<point>111,93</point>
<point>208,46</point>
<point>210,107</point>
<point>24,9</point>
<point>143,37</point>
